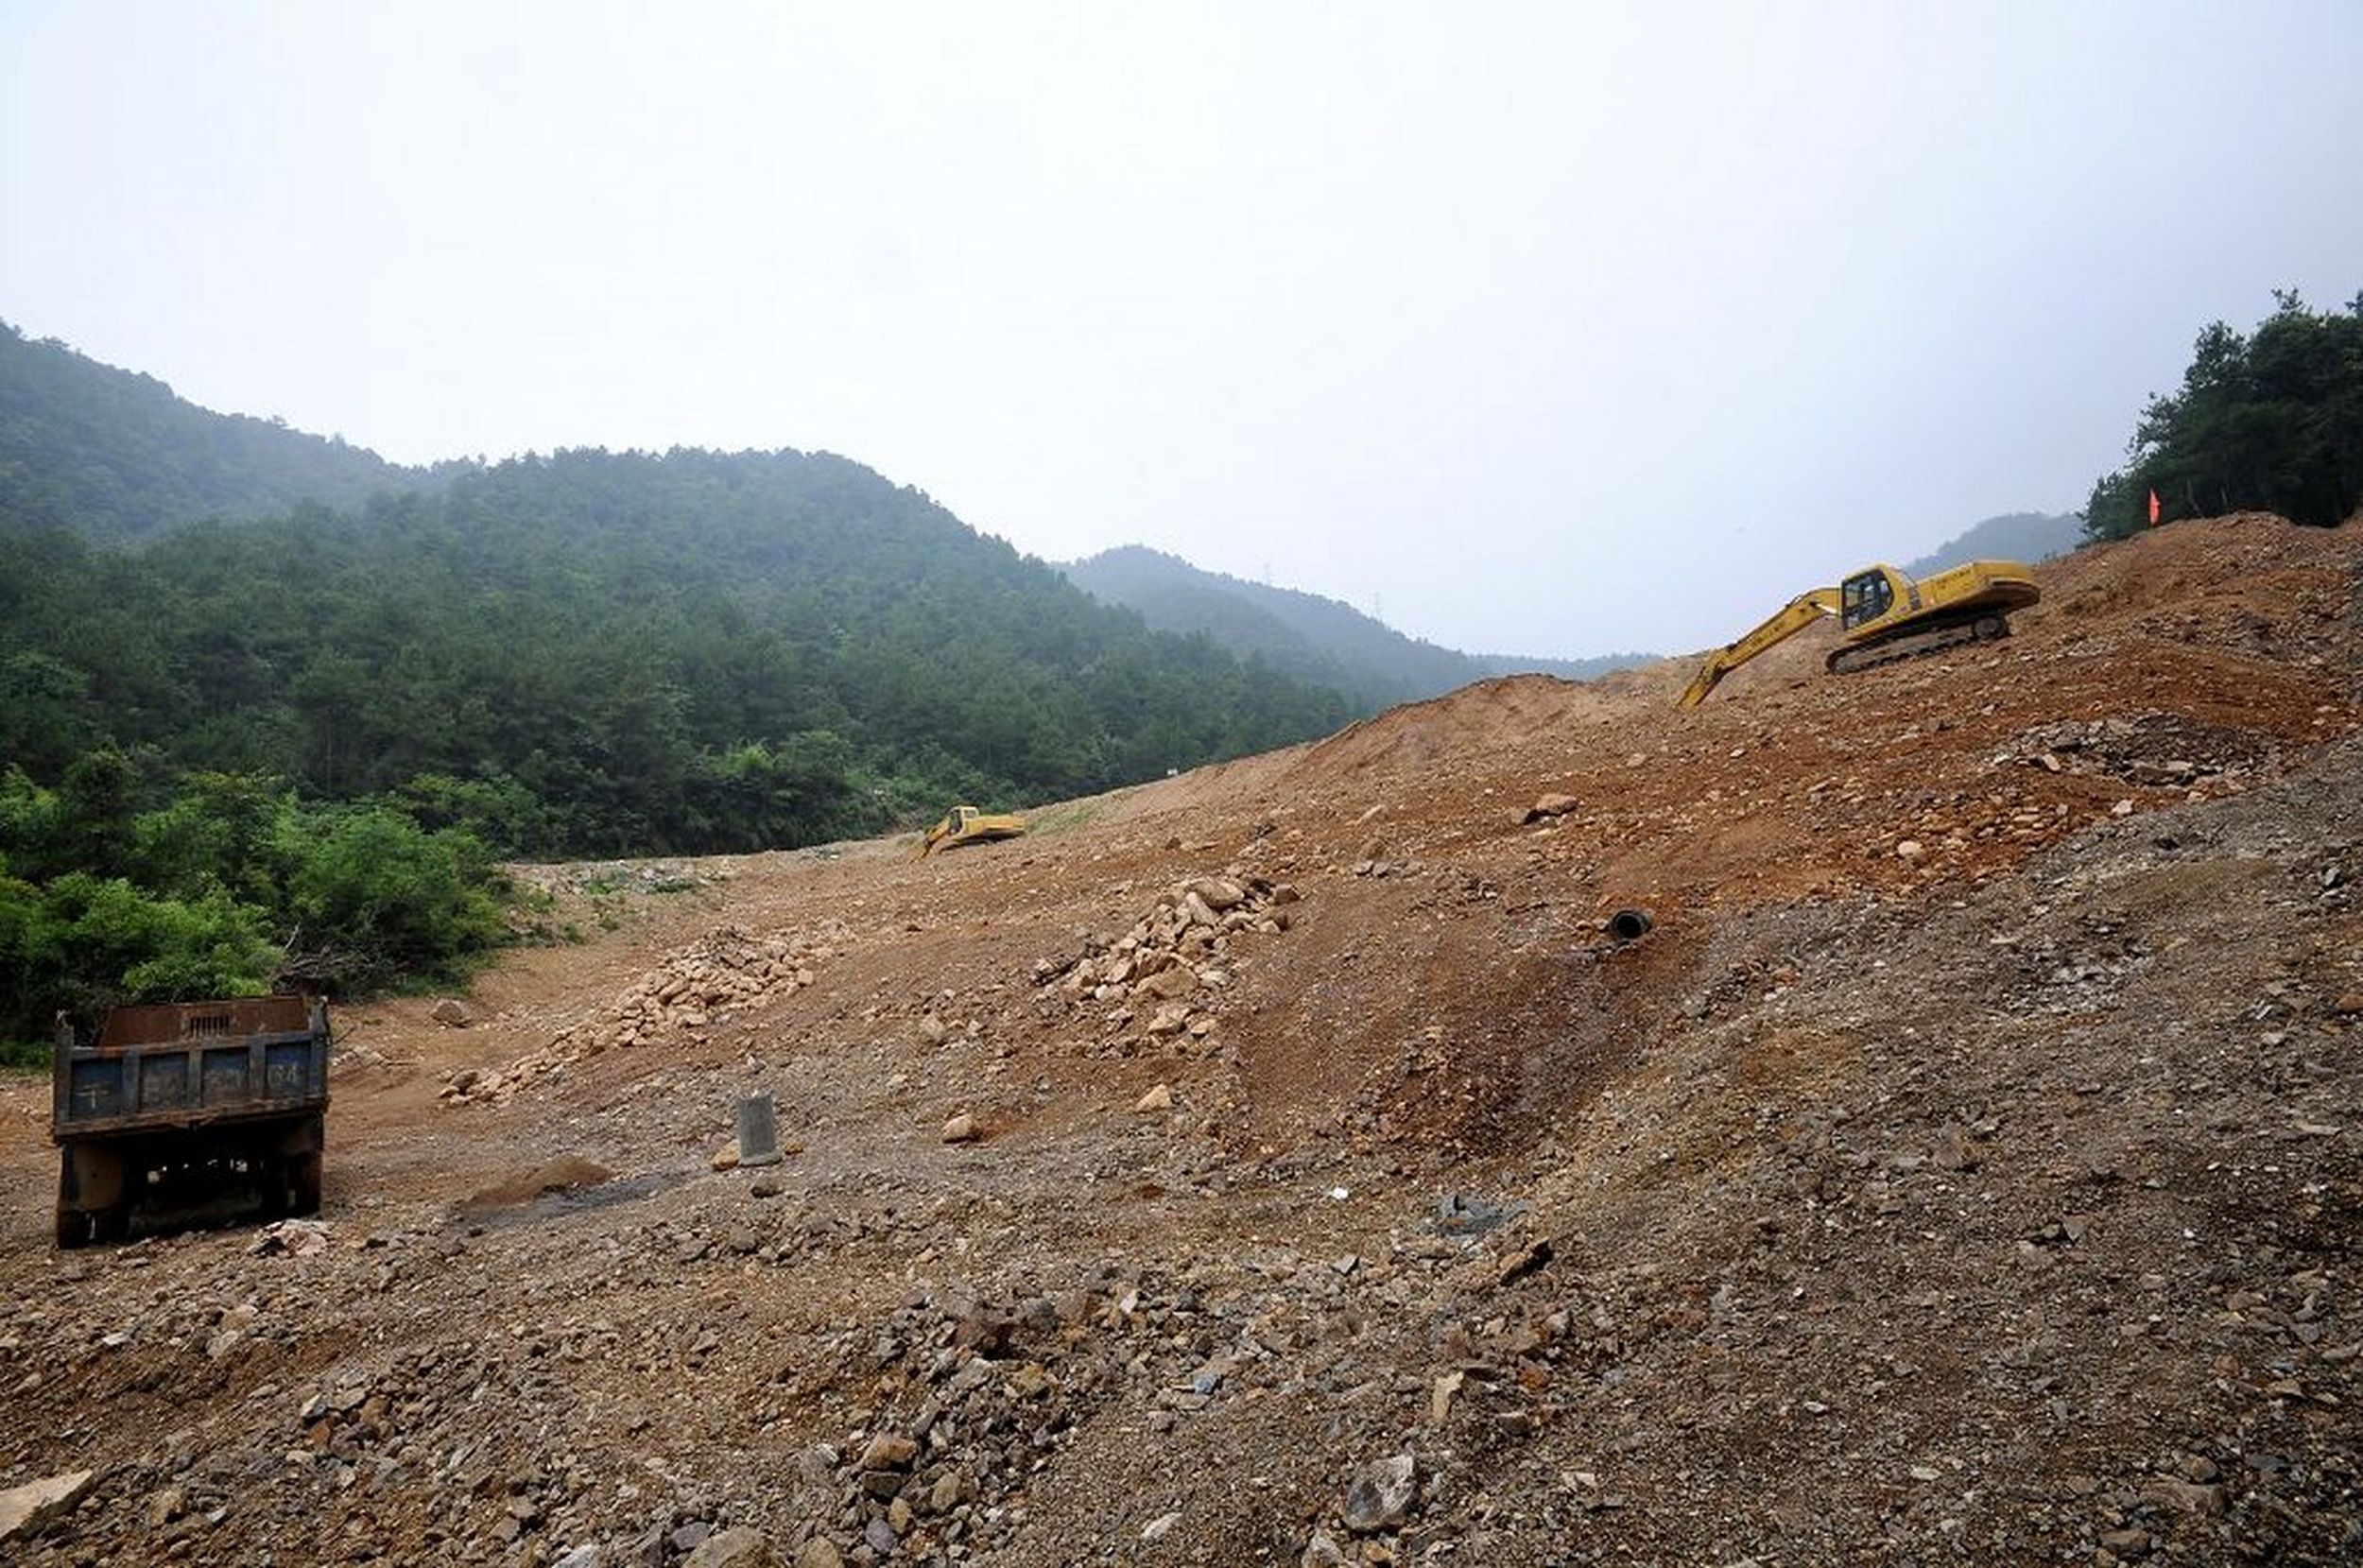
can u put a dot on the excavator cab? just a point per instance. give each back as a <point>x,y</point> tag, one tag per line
<point>1864,598</point>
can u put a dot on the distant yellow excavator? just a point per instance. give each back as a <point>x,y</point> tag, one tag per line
<point>1885,616</point>
<point>968,825</point>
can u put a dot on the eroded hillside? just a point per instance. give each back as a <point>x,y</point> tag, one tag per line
<point>1962,1169</point>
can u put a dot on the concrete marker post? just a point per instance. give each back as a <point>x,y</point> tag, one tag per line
<point>758,1131</point>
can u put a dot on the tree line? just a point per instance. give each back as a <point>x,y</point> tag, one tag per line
<point>2272,421</point>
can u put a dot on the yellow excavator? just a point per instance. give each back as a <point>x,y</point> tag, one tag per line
<point>968,825</point>
<point>1885,616</point>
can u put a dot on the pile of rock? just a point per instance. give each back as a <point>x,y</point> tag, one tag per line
<point>694,990</point>
<point>974,1396</point>
<point>1159,978</point>
<point>2154,750</point>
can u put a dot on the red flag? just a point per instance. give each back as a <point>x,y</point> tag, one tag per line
<point>2153,509</point>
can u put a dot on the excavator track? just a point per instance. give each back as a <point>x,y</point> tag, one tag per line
<point>1983,626</point>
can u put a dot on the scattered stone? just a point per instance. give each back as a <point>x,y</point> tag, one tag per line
<point>1218,894</point>
<point>1525,1261</point>
<point>819,1552</point>
<point>582,1557</point>
<point>1321,1552</point>
<point>295,1238</point>
<point>452,1013</point>
<point>1161,1526</point>
<point>725,1157</point>
<point>1550,808</point>
<point>1169,985</point>
<point>1379,1496</point>
<point>1157,1099</point>
<point>1911,850</point>
<point>888,1451</point>
<point>1953,1150</point>
<point>737,1547</point>
<point>25,1510</point>
<point>962,1128</point>
<point>2202,1502</point>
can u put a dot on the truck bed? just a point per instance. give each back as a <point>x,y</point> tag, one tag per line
<point>190,1065</point>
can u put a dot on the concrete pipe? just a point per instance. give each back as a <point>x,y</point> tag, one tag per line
<point>1629,926</point>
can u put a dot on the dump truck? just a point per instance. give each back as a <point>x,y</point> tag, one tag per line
<point>968,825</point>
<point>1885,616</point>
<point>186,1111</point>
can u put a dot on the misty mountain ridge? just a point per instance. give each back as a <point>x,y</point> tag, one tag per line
<point>115,456</point>
<point>2028,536</point>
<point>588,652</point>
<point>1304,635</point>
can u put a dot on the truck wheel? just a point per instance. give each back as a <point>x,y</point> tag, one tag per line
<point>92,1204</point>
<point>72,1224</point>
<point>273,1175</point>
<point>303,1183</point>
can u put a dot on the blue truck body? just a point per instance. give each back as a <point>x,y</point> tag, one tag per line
<point>169,1109</point>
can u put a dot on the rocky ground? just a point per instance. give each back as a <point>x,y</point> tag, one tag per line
<point>1282,1163</point>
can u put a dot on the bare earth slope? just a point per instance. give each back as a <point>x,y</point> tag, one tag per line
<point>1963,1170</point>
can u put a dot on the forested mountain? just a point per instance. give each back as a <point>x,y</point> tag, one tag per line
<point>619,653</point>
<point>113,454</point>
<point>1314,639</point>
<point>2028,536</point>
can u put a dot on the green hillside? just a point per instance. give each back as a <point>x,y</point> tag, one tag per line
<point>113,454</point>
<point>620,653</point>
<point>1309,637</point>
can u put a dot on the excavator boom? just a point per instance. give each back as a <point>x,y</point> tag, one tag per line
<point>1799,613</point>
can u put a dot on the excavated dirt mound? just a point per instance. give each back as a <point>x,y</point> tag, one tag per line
<point>566,1174</point>
<point>1281,1163</point>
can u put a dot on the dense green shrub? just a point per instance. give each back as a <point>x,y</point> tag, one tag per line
<point>230,887</point>
<point>84,942</point>
<point>371,896</point>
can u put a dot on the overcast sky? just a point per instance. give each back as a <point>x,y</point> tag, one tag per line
<point>1547,328</point>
